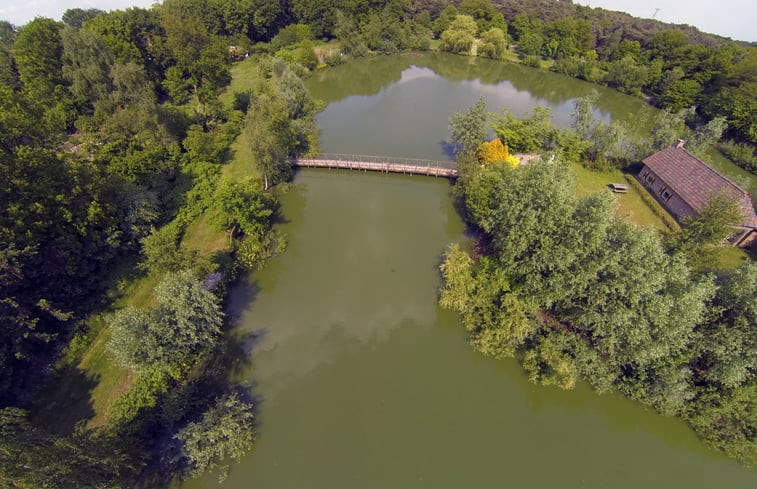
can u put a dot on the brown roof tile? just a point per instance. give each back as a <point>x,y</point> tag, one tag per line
<point>694,180</point>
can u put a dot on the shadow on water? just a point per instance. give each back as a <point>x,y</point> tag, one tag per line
<point>449,149</point>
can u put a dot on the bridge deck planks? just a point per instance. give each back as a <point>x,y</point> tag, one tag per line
<point>385,167</point>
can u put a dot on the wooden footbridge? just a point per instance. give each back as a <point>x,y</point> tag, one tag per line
<point>384,164</point>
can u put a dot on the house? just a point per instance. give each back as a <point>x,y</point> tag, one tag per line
<point>682,183</point>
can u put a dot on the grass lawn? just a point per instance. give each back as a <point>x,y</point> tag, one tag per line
<point>83,390</point>
<point>631,205</point>
<point>240,163</point>
<point>243,77</point>
<point>727,257</point>
<point>203,237</point>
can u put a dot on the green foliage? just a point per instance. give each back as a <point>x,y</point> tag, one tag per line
<point>494,317</point>
<point>709,227</point>
<point>485,15</point>
<point>320,15</point>
<point>203,57</point>
<point>615,307</point>
<point>527,135</point>
<point>31,458</point>
<point>37,51</point>
<point>225,431</point>
<point>291,35</point>
<point>176,84</point>
<point>86,65</point>
<point>680,95</point>
<point>237,206</point>
<point>628,76</point>
<point>347,32</point>
<point>468,129</point>
<point>162,252</point>
<point>493,44</point>
<point>151,384</point>
<point>445,18</point>
<point>75,17</point>
<point>185,325</point>
<point>128,328</point>
<point>255,250</point>
<point>729,338</point>
<point>549,361</point>
<point>707,135</point>
<point>280,123</point>
<point>741,154</point>
<point>459,36</point>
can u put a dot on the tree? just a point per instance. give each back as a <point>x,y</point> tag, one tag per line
<point>136,36</point>
<point>445,18</point>
<point>31,458</point>
<point>129,341</point>
<point>346,31</point>
<point>680,95</point>
<point>279,124</point>
<point>291,35</point>
<point>527,135</point>
<point>238,207</point>
<point>493,43</point>
<point>728,340</point>
<point>707,135</point>
<point>667,126</point>
<point>185,325</point>
<point>75,17</point>
<point>712,224</point>
<point>628,76</point>
<point>493,316</point>
<point>86,65</point>
<point>320,15</point>
<point>459,36</point>
<point>468,129</point>
<point>203,57</point>
<point>582,118</point>
<point>38,53</point>
<point>226,430</point>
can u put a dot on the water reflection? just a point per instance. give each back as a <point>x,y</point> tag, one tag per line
<point>400,105</point>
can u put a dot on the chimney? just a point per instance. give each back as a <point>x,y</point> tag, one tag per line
<point>680,144</point>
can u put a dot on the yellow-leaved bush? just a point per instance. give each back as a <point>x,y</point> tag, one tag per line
<point>495,152</point>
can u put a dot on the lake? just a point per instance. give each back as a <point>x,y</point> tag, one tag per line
<point>362,380</point>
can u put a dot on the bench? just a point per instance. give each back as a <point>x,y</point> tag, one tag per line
<point>620,188</point>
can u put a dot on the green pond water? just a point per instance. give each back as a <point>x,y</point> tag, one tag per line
<point>364,382</point>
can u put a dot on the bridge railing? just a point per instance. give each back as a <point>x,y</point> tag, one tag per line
<point>382,159</point>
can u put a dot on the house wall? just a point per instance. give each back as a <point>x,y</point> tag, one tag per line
<point>674,204</point>
<point>748,240</point>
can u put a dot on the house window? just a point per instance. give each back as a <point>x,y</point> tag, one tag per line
<point>666,194</point>
<point>644,175</point>
<point>650,179</point>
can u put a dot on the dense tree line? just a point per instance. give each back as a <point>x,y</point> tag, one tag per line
<point>676,67</point>
<point>112,140</point>
<point>583,295</point>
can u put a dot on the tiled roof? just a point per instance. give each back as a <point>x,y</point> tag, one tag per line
<point>694,180</point>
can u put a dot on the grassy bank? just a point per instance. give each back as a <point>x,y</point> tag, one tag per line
<point>636,205</point>
<point>87,382</point>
